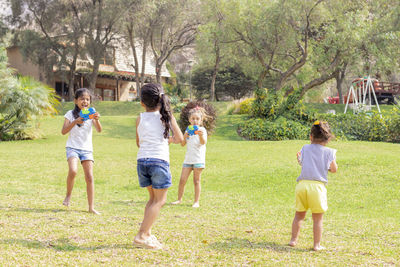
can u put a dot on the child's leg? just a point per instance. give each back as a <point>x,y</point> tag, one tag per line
<point>72,171</point>
<point>197,186</point>
<point>317,228</point>
<point>297,221</point>
<point>88,169</point>
<point>157,199</point>
<point>182,182</point>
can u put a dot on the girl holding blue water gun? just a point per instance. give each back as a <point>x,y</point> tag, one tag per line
<point>195,138</point>
<point>79,145</point>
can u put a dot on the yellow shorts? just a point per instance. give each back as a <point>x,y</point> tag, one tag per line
<point>311,195</point>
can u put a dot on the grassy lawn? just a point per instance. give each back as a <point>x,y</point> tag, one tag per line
<point>247,204</point>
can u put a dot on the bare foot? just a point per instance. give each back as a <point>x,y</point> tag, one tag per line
<point>66,201</point>
<point>196,205</point>
<point>176,202</point>
<point>94,211</point>
<point>292,243</point>
<point>318,248</point>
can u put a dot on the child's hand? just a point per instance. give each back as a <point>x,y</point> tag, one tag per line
<point>299,157</point>
<point>96,116</point>
<point>79,120</point>
<point>200,133</point>
<point>186,135</point>
<point>170,140</point>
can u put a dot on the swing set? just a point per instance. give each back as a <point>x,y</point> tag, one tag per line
<point>358,92</point>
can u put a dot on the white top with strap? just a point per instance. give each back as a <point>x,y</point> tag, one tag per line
<point>196,152</point>
<point>152,143</point>
<point>80,137</point>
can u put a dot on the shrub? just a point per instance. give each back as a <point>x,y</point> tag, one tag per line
<point>22,101</point>
<point>245,106</point>
<point>280,129</point>
<point>365,126</point>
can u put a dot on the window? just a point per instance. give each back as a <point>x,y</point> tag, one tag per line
<point>109,56</point>
<point>108,95</point>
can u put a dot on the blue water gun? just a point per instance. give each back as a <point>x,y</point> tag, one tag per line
<point>192,129</point>
<point>87,113</point>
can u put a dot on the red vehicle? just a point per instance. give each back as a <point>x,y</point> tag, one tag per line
<point>385,92</point>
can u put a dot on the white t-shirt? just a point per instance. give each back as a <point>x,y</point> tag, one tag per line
<point>196,152</point>
<point>152,143</point>
<point>80,137</point>
<point>315,162</point>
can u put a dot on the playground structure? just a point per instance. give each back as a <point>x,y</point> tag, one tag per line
<point>358,92</point>
<point>385,92</point>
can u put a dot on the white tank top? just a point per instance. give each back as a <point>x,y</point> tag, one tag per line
<point>152,143</point>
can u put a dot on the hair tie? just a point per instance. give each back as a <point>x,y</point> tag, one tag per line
<point>316,122</point>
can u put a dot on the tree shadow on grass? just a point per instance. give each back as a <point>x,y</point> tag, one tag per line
<point>239,243</point>
<point>61,244</point>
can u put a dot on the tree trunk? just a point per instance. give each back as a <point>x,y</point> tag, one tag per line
<point>215,71</point>
<point>158,73</point>
<point>144,53</point>
<point>339,82</point>
<point>135,58</point>
<point>261,78</point>
<point>93,76</point>
<point>318,81</point>
<point>72,68</point>
<point>216,67</point>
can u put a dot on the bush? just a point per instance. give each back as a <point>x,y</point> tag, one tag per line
<point>280,129</point>
<point>245,106</point>
<point>365,126</point>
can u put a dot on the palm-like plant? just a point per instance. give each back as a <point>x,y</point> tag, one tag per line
<point>22,101</point>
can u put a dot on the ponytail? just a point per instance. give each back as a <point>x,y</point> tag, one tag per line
<point>152,95</point>
<point>321,131</point>
<point>166,114</point>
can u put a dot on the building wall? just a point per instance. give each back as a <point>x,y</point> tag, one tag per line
<point>128,91</point>
<point>24,67</point>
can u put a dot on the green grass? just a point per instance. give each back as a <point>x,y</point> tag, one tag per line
<point>247,204</point>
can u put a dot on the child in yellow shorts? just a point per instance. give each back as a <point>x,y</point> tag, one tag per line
<point>316,160</point>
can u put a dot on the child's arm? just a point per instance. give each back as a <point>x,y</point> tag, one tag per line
<point>299,157</point>
<point>177,136</point>
<point>68,125</point>
<point>185,136</point>
<point>333,167</point>
<point>96,122</point>
<point>203,141</point>
<point>137,135</point>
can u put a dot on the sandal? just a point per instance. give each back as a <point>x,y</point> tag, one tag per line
<point>149,243</point>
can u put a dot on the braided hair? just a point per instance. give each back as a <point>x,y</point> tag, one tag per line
<point>152,95</point>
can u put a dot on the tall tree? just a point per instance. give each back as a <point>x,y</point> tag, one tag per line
<point>137,33</point>
<point>100,21</point>
<point>213,44</point>
<point>57,36</point>
<point>173,26</point>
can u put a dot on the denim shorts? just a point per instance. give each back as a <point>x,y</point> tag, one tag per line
<point>79,153</point>
<point>154,172</point>
<point>194,166</point>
